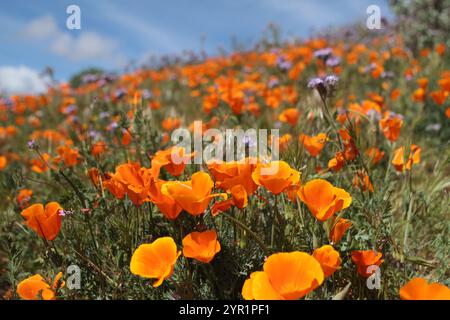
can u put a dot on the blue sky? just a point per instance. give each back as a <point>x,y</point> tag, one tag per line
<point>113,32</point>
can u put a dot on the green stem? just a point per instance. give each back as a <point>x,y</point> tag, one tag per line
<point>250,232</point>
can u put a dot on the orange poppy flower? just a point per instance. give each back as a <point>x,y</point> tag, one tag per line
<point>390,125</point>
<point>69,156</point>
<point>289,116</point>
<point>375,155</point>
<point>127,138</point>
<point>350,150</point>
<point>238,198</point>
<point>366,258</point>
<point>323,199</point>
<point>440,48</point>
<point>134,180</point>
<point>419,95</point>
<point>24,197</point>
<point>338,230</point>
<point>291,191</point>
<point>193,195</point>
<point>286,276</point>
<point>362,180</point>
<point>439,96</point>
<point>423,83</point>
<point>201,246</point>
<point>420,289</point>
<point>98,148</point>
<point>155,260</point>
<point>36,287</point>
<point>174,160</point>
<point>283,141</point>
<point>3,162</point>
<point>275,176</point>
<point>398,161</point>
<point>165,204</point>
<point>328,258</point>
<point>314,144</point>
<point>445,83</point>
<point>46,222</point>
<point>171,123</point>
<point>395,94</point>
<point>40,165</point>
<point>229,174</point>
<point>115,187</point>
<point>337,162</point>
<point>95,176</point>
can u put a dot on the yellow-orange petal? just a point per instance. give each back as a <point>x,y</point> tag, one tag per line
<point>293,274</point>
<point>328,258</point>
<point>34,288</point>
<point>258,287</point>
<point>155,260</point>
<point>201,246</point>
<point>419,289</point>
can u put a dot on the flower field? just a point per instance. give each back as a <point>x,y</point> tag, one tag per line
<point>349,201</point>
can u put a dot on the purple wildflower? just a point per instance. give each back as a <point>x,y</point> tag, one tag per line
<point>32,144</point>
<point>333,61</point>
<point>324,53</point>
<point>387,75</point>
<point>273,83</point>
<point>331,80</point>
<point>120,93</point>
<point>315,82</point>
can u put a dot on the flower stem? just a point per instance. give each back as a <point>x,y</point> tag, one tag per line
<point>250,232</point>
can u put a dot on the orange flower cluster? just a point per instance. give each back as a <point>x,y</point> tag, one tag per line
<point>37,288</point>
<point>158,259</point>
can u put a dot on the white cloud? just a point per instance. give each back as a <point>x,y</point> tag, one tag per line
<point>84,46</point>
<point>20,80</point>
<point>89,45</point>
<point>41,28</point>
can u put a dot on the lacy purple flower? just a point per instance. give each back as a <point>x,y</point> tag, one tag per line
<point>8,102</point>
<point>273,83</point>
<point>120,93</point>
<point>101,83</point>
<point>331,80</point>
<point>323,53</point>
<point>69,109</point>
<point>89,78</point>
<point>113,125</point>
<point>146,94</point>
<point>104,114</point>
<point>31,144</point>
<point>387,75</point>
<point>315,82</point>
<point>93,134</point>
<point>282,63</point>
<point>333,61</point>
